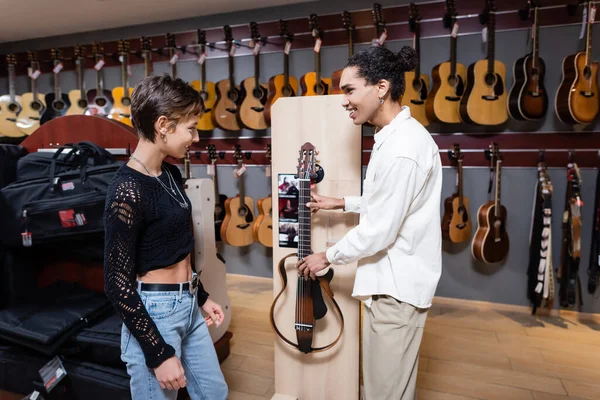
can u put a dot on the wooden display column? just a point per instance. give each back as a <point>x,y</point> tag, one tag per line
<point>334,373</point>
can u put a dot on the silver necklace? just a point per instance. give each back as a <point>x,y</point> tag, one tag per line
<point>170,191</point>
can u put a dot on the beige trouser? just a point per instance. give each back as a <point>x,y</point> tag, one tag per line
<point>392,333</point>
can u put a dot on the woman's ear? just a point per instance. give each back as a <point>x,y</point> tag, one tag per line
<point>161,126</point>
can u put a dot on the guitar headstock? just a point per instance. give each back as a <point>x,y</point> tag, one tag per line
<point>98,50</point>
<point>228,34</point>
<point>237,154</point>
<point>378,20</point>
<point>490,8</point>
<point>413,17</point>
<point>283,31</point>
<point>313,23</point>
<point>31,56</point>
<point>212,153</point>
<point>202,39</point>
<point>268,153</point>
<point>146,44</point>
<point>55,54</point>
<point>79,51</point>
<point>254,33</point>
<point>123,47</point>
<point>11,60</point>
<point>455,154</point>
<point>347,21</point>
<point>450,15</point>
<point>307,161</point>
<point>171,43</point>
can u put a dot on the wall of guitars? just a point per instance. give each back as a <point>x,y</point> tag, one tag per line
<point>501,80</point>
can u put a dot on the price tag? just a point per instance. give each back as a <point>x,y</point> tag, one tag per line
<point>202,58</point>
<point>240,171</point>
<point>382,38</point>
<point>288,47</point>
<point>99,65</point>
<point>57,68</point>
<point>121,58</point>
<point>233,49</point>
<point>592,14</point>
<point>455,30</point>
<point>256,48</point>
<point>26,239</point>
<point>174,59</point>
<point>210,169</point>
<point>317,45</point>
<point>375,43</point>
<point>52,373</point>
<point>484,34</point>
<point>583,21</point>
<point>268,171</point>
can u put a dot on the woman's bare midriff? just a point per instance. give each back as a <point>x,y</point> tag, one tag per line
<point>176,273</point>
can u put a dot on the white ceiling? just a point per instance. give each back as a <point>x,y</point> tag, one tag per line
<point>30,19</point>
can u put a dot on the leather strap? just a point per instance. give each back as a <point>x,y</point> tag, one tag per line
<point>329,293</point>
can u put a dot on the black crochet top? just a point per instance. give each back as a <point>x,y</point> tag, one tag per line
<point>145,229</point>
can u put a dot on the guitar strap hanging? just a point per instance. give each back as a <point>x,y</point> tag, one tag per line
<point>594,267</point>
<point>534,247</point>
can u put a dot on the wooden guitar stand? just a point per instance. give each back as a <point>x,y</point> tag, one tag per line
<point>333,373</point>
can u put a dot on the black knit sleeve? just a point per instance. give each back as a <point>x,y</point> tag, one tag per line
<point>123,219</point>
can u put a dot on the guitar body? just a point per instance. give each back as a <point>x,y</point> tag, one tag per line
<point>460,227</point>
<point>484,101</point>
<point>308,82</point>
<point>226,106</point>
<point>443,101</point>
<point>219,216</point>
<point>99,102</point>
<point>278,89</point>
<point>121,110</point>
<point>252,109</point>
<point>29,117</point>
<point>9,112</point>
<point>528,99</point>
<point>263,226</point>
<point>237,225</point>
<point>447,217</point>
<point>415,94</point>
<point>78,104</point>
<point>488,246</point>
<point>572,106</point>
<point>55,107</point>
<point>209,96</point>
<point>336,77</point>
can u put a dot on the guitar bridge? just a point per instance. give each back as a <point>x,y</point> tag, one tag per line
<point>242,226</point>
<point>452,98</point>
<point>207,110</point>
<point>490,98</point>
<point>417,102</point>
<point>461,226</point>
<point>257,109</point>
<point>231,110</point>
<point>586,94</point>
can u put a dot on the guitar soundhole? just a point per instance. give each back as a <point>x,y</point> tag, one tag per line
<point>416,84</point>
<point>36,106</point>
<point>126,101</point>
<point>204,95</point>
<point>490,79</point>
<point>242,212</point>
<point>287,91</point>
<point>452,81</point>
<point>13,107</point>
<point>58,105</point>
<point>100,101</point>
<point>82,103</point>
<point>587,72</point>
<point>258,93</point>
<point>233,95</point>
<point>319,88</point>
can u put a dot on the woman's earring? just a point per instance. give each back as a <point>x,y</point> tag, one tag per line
<point>381,100</point>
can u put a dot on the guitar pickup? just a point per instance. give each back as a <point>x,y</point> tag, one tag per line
<point>586,94</point>
<point>231,110</point>
<point>242,226</point>
<point>490,98</point>
<point>452,98</point>
<point>257,109</point>
<point>417,102</point>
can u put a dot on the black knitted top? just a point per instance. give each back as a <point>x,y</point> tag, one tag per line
<point>145,229</point>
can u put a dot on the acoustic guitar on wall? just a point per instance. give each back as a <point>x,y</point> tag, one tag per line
<point>78,97</point>
<point>10,104</point>
<point>205,88</point>
<point>282,85</point>
<point>491,244</point>
<point>33,104</point>
<point>576,100</point>
<point>239,212</point>
<point>228,94</point>
<point>456,222</point>
<point>484,101</point>
<point>416,83</point>
<point>449,79</point>
<point>121,110</point>
<point>263,226</point>
<point>528,99</point>
<point>57,102</point>
<point>254,94</point>
<point>312,83</point>
<point>337,75</point>
<point>219,211</point>
<point>100,100</point>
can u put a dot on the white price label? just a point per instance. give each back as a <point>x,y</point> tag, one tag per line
<point>99,65</point>
<point>57,68</point>
<point>268,171</point>
<point>318,45</point>
<point>210,169</point>
<point>484,34</point>
<point>129,70</point>
<point>288,47</point>
<point>36,74</point>
<point>593,15</point>
<point>233,49</point>
<point>240,171</point>
<point>202,58</point>
<point>35,395</point>
<point>455,30</point>
<point>256,48</point>
<point>174,59</point>
<point>583,21</point>
<point>382,38</point>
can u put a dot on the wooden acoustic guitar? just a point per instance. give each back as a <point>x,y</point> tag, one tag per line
<point>528,99</point>
<point>57,102</point>
<point>121,110</point>
<point>239,212</point>
<point>100,100</point>
<point>337,75</point>
<point>33,104</point>
<point>263,226</point>
<point>456,222</point>
<point>282,85</point>
<point>416,83</point>
<point>484,101</point>
<point>219,202</point>
<point>490,244</point>
<point>449,79</point>
<point>205,88</point>
<point>576,100</point>
<point>312,83</point>
<point>10,104</point>
<point>78,97</point>
<point>229,95</point>
<point>254,94</point>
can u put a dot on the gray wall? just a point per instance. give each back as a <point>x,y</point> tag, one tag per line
<point>462,277</point>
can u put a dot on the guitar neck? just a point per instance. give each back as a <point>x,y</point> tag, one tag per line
<point>124,79</point>
<point>304,224</point>
<point>318,67</point>
<point>417,47</point>
<point>286,69</point>
<point>242,189</point>
<point>80,78</point>
<point>203,71</point>
<point>452,55</point>
<point>57,92</point>
<point>216,183</point>
<point>34,86</point>
<point>99,83</point>
<point>460,183</point>
<point>536,35</point>
<point>491,40</point>
<point>497,197</point>
<point>350,43</point>
<point>230,60</point>
<point>588,47</point>
<point>11,82</point>
<point>256,71</point>
<point>147,65</point>
<point>173,64</point>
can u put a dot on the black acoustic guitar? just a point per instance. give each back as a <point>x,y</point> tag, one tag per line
<point>57,102</point>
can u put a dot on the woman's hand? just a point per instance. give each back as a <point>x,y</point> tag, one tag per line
<point>214,311</point>
<point>170,374</point>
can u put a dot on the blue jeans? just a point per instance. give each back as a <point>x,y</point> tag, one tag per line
<point>178,319</point>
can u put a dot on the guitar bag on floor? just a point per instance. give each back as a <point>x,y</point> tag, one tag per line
<point>9,159</point>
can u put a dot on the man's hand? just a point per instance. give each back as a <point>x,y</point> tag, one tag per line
<point>319,202</point>
<point>312,264</point>
<point>170,374</point>
<point>214,311</point>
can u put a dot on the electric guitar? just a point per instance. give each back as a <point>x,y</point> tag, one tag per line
<point>228,94</point>
<point>237,225</point>
<point>219,207</point>
<point>484,101</point>
<point>206,89</point>
<point>576,100</point>
<point>78,97</point>
<point>337,75</point>
<point>491,243</point>
<point>528,99</point>
<point>254,94</point>
<point>33,104</point>
<point>416,90</point>
<point>312,83</point>
<point>457,226</point>
<point>100,100</point>
<point>449,79</point>
<point>57,102</point>
<point>10,104</point>
<point>121,110</point>
<point>263,226</point>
